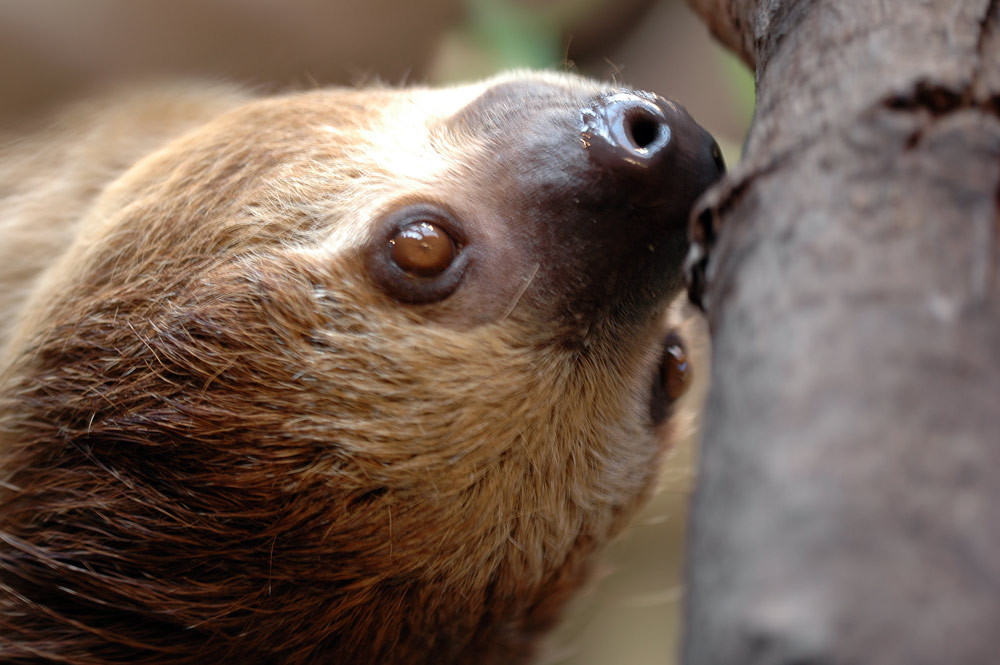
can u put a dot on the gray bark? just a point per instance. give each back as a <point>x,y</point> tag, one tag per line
<point>848,501</point>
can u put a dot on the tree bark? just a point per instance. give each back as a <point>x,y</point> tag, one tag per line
<point>848,501</point>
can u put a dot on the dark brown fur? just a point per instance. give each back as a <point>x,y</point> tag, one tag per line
<point>222,443</point>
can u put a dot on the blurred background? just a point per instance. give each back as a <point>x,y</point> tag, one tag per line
<point>52,51</point>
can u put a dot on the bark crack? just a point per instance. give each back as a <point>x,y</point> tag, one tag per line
<point>940,99</point>
<point>925,95</point>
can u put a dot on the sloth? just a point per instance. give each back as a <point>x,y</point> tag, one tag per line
<point>338,376</point>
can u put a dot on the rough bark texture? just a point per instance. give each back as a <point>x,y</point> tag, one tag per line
<point>848,507</point>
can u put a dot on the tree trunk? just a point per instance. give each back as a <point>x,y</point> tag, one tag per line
<point>848,503</point>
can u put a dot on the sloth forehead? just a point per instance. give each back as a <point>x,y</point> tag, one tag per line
<point>407,143</point>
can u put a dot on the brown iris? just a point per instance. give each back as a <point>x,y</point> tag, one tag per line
<point>423,249</point>
<point>675,370</point>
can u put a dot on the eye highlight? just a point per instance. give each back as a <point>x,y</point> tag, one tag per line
<point>423,249</point>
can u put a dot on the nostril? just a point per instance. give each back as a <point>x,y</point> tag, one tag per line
<point>642,128</point>
<point>637,126</point>
<point>626,127</point>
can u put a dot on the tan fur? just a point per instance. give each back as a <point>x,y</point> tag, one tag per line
<point>221,444</point>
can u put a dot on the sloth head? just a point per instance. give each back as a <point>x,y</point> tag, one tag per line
<point>362,375</point>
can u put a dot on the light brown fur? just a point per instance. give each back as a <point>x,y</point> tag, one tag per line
<point>220,443</point>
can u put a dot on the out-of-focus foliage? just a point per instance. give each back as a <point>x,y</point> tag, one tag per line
<point>500,34</point>
<point>739,80</point>
<point>515,36</point>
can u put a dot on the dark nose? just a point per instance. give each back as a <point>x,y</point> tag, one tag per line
<point>639,131</point>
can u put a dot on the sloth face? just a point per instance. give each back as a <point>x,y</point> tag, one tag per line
<point>357,372</point>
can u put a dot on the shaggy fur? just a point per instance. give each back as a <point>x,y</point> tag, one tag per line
<point>221,440</point>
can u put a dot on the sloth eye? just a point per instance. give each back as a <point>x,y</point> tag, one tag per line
<point>423,249</point>
<point>419,252</point>
<point>672,378</point>
<point>675,370</point>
